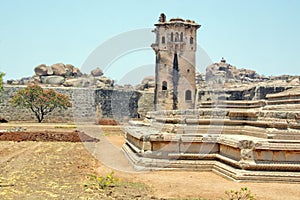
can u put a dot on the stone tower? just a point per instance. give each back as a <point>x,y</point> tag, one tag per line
<point>175,50</point>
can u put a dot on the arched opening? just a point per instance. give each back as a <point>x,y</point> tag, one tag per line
<point>172,37</point>
<point>176,37</point>
<point>163,39</point>
<point>191,40</point>
<point>164,85</point>
<point>181,37</point>
<point>188,95</point>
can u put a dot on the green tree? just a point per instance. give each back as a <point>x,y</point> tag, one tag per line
<point>1,80</point>
<point>40,101</point>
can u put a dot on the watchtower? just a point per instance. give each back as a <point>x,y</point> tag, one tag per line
<point>175,50</point>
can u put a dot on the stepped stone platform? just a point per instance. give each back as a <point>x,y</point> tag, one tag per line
<point>246,141</point>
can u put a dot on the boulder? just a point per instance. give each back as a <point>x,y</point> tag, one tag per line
<point>106,80</point>
<point>229,74</point>
<point>15,82</point>
<point>100,84</point>
<point>41,70</point>
<point>9,82</point>
<point>53,80</point>
<point>140,87</point>
<point>73,82</point>
<point>148,79</point>
<point>128,87</point>
<point>147,82</point>
<point>151,84</point>
<point>76,72</point>
<point>69,69</point>
<point>97,72</point>
<point>49,71</point>
<point>59,69</point>
<point>25,80</point>
<point>35,79</point>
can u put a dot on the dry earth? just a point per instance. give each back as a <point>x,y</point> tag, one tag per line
<point>60,170</point>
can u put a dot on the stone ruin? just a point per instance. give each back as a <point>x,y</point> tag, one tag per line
<point>243,140</point>
<point>240,140</point>
<point>239,124</point>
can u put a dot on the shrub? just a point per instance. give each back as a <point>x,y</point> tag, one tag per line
<point>1,82</point>
<point>242,194</point>
<point>103,182</point>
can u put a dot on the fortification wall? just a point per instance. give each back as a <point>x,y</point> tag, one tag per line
<point>88,105</point>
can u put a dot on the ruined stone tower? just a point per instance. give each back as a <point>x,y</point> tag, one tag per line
<point>175,50</point>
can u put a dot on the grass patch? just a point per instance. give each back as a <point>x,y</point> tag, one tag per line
<point>115,188</point>
<point>135,185</point>
<point>117,133</point>
<point>66,126</point>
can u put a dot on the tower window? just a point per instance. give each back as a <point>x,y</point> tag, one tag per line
<point>176,37</point>
<point>163,40</point>
<point>191,40</point>
<point>172,37</point>
<point>188,95</point>
<point>181,36</point>
<point>164,85</point>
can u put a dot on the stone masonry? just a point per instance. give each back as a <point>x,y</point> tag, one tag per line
<point>175,48</point>
<point>254,140</point>
<point>88,105</point>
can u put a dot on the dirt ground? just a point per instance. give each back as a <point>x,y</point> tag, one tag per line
<point>60,170</point>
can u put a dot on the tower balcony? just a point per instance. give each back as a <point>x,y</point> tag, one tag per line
<point>155,47</point>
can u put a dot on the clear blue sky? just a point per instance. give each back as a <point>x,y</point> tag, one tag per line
<point>259,35</point>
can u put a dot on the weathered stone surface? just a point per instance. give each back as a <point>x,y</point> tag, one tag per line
<point>59,69</point>
<point>49,70</point>
<point>145,103</point>
<point>76,82</point>
<point>25,80</point>
<point>148,79</point>
<point>175,48</point>
<point>100,84</point>
<point>41,70</point>
<point>87,104</point>
<point>55,80</point>
<point>97,72</point>
<point>263,142</point>
<point>72,71</point>
<point>225,72</point>
<point>76,72</point>
<point>147,83</point>
<point>106,80</point>
<point>69,69</point>
<point>36,79</point>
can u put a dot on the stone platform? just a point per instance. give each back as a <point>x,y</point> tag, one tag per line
<point>258,143</point>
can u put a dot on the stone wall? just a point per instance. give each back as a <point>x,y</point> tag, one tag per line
<point>88,105</point>
<point>252,93</point>
<point>145,103</point>
<point>117,104</point>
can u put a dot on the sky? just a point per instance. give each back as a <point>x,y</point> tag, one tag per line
<point>258,35</point>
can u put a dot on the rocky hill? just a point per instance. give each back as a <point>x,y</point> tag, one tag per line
<point>239,83</point>
<point>227,73</point>
<point>66,75</point>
